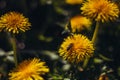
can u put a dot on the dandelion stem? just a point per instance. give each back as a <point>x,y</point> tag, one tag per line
<point>95,33</point>
<point>93,41</point>
<point>85,62</point>
<point>13,42</point>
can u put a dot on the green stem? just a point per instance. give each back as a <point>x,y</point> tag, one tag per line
<point>13,42</point>
<point>95,33</point>
<point>85,62</point>
<point>93,41</point>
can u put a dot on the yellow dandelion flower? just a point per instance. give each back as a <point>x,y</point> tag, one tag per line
<point>100,10</point>
<point>29,70</point>
<point>14,22</point>
<point>78,23</point>
<point>103,77</point>
<point>76,48</point>
<point>72,2</point>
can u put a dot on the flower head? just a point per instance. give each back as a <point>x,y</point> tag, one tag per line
<point>100,10</point>
<point>76,48</point>
<point>14,22</point>
<point>78,23</point>
<point>72,2</point>
<point>103,77</point>
<point>29,70</point>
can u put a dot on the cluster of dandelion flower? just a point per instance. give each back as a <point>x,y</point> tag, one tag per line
<point>76,48</point>
<point>14,22</point>
<point>100,10</point>
<point>79,23</point>
<point>29,70</point>
<point>73,2</point>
